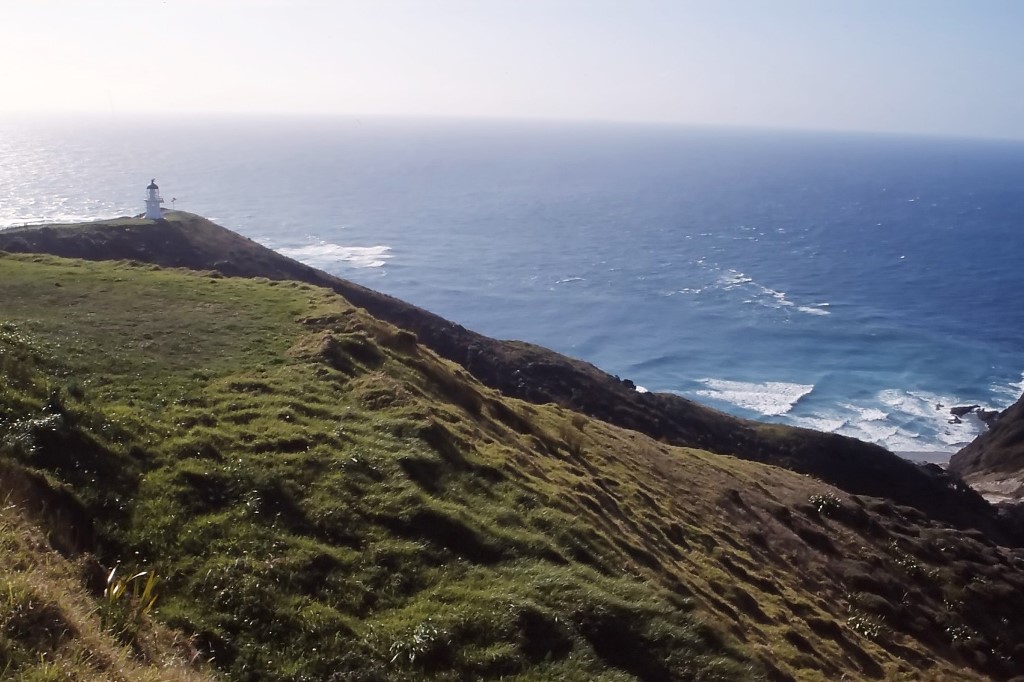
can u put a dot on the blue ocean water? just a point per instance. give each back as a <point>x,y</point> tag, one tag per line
<point>851,283</point>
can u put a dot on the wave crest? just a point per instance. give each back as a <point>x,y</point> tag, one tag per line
<point>898,420</point>
<point>767,297</point>
<point>769,398</point>
<point>325,253</point>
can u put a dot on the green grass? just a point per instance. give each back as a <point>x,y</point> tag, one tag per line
<point>322,498</point>
<point>51,628</point>
<point>309,520</point>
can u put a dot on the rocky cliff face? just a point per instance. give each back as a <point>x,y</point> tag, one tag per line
<point>530,372</point>
<point>994,461</point>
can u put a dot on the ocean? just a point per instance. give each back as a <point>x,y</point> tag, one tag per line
<point>860,284</point>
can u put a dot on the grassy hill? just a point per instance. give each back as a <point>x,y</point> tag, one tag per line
<point>322,497</point>
<point>532,373</point>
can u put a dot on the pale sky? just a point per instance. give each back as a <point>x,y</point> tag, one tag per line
<point>920,66</point>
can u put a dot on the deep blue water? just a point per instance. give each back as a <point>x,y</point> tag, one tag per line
<point>850,283</point>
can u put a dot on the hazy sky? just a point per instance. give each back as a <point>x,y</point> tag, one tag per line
<point>926,66</point>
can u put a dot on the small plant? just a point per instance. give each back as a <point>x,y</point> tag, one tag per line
<point>866,626</point>
<point>427,643</point>
<point>127,600</point>
<point>825,504</point>
<point>959,633</point>
<point>909,565</point>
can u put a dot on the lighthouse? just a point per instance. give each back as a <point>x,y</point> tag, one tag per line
<point>153,201</point>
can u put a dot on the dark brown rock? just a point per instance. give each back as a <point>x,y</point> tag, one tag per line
<point>987,416</point>
<point>962,410</point>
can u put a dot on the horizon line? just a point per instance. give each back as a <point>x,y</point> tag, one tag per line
<point>194,115</point>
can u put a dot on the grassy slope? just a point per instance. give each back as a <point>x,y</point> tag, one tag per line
<point>323,496</point>
<point>530,372</point>
<point>52,629</point>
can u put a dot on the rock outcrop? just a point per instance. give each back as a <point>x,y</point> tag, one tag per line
<point>998,453</point>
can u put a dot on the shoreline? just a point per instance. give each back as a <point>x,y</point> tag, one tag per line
<point>994,489</point>
<point>939,457</point>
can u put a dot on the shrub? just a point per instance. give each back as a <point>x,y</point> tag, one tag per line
<point>825,504</point>
<point>866,626</point>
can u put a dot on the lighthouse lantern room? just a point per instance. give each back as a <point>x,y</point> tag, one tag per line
<point>153,201</point>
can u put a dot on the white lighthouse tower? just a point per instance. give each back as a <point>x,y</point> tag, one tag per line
<point>153,201</point>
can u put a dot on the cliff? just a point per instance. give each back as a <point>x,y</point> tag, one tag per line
<point>322,496</point>
<point>994,461</point>
<point>527,371</point>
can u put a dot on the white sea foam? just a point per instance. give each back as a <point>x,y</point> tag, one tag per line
<point>567,280</point>
<point>690,291</point>
<point>732,280</point>
<point>815,309</point>
<point>770,398</point>
<point>899,420</point>
<point>641,389</point>
<point>1011,391</point>
<point>866,414</point>
<point>829,423</point>
<point>930,410</point>
<point>870,425</point>
<point>324,253</point>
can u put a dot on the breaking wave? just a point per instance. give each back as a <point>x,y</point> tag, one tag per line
<point>769,398</point>
<point>325,254</point>
<point>899,420</point>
